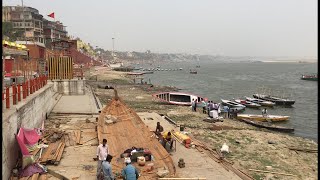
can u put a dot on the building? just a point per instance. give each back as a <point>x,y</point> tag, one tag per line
<point>54,31</point>
<point>37,56</point>
<point>26,20</point>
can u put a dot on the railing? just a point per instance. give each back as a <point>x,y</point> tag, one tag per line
<point>13,92</point>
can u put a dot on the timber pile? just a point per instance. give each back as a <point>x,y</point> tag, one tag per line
<point>129,131</point>
<point>36,176</point>
<point>53,153</point>
<point>52,135</point>
<point>219,158</point>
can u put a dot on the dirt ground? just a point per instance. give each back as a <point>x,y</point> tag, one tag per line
<point>251,148</point>
<point>77,161</point>
<point>198,164</point>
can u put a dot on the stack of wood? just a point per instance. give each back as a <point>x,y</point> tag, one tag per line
<point>36,176</point>
<point>52,135</point>
<point>53,153</point>
<point>73,138</point>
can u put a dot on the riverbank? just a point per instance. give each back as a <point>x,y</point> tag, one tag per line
<point>251,148</point>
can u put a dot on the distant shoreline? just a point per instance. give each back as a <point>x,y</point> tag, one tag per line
<point>302,62</point>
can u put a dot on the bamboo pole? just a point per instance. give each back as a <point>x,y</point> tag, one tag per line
<point>256,170</point>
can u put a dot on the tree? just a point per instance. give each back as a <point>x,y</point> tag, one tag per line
<point>9,31</point>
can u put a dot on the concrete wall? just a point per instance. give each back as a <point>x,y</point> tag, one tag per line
<point>69,87</point>
<point>28,113</point>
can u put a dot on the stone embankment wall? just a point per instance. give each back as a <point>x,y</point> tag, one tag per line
<point>69,87</point>
<point>29,113</point>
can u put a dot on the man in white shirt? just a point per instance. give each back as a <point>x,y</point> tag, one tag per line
<point>102,153</point>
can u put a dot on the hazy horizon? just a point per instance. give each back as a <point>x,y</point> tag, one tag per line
<point>286,28</point>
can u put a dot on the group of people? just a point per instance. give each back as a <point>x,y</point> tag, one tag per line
<point>165,137</point>
<point>212,106</point>
<point>104,169</point>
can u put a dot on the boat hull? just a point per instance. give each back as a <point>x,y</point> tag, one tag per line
<point>277,101</point>
<point>261,102</point>
<point>178,98</point>
<point>310,79</point>
<point>128,130</point>
<point>255,117</point>
<point>270,127</point>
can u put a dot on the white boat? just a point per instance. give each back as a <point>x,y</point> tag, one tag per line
<point>178,98</point>
<point>261,102</point>
<point>247,103</point>
<point>255,117</point>
<point>232,103</point>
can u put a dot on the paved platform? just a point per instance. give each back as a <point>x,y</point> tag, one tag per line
<point>198,165</point>
<point>77,104</point>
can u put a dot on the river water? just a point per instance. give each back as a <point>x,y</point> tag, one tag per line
<point>221,80</point>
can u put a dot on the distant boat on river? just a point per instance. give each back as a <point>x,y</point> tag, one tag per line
<point>193,71</point>
<point>310,77</point>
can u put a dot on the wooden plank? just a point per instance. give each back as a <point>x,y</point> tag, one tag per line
<point>57,175</point>
<point>60,153</point>
<point>43,177</point>
<point>35,176</point>
<point>35,152</point>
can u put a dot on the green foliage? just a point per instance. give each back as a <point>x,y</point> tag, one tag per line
<point>10,32</point>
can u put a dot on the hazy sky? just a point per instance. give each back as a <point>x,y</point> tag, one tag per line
<point>224,27</point>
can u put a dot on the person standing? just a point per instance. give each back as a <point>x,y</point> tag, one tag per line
<point>226,111</point>
<point>107,169</point>
<point>192,104</point>
<point>102,153</point>
<point>208,107</point>
<point>195,105</point>
<point>204,107</point>
<point>264,112</point>
<point>129,172</point>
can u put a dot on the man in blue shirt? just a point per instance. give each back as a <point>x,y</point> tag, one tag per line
<point>226,111</point>
<point>129,172</point>
<point>107,169</point>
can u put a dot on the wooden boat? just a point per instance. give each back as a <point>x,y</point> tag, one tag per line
<point>256,117</point>
<point>128,130</point>
<point>135,73</point>
<point>193,72</point>
<point>277,100</point>
<point>267,126</point>
<point>310,77</point>
<point>232,104</point>
<point>247,103</point>
<point>178,98</point>
<point>261,102</point>
<point>148,72</point>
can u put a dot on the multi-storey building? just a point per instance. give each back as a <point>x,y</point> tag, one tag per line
<point>54,31</point>
<point>26,20</point>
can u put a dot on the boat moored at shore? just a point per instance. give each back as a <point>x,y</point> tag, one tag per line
<point>268,126</point>
<point>178,98</point>
<point>277,100</point>
<point>233,105</point>
<point>261,102</point>
<point>256,117</point>
<point>247,103</point>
